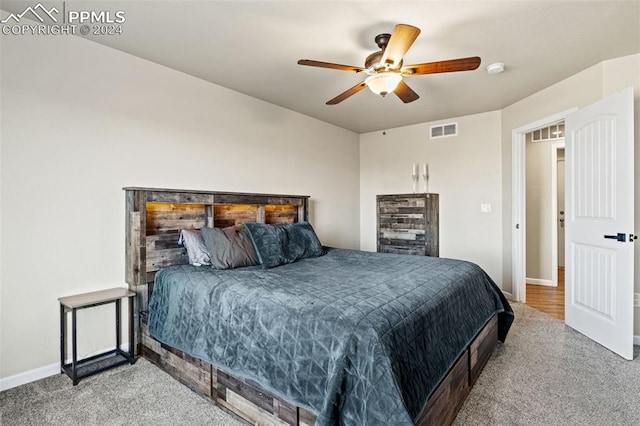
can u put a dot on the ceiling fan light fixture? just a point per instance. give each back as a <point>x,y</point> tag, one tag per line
<point>384,82</point>
<point>385,69</point>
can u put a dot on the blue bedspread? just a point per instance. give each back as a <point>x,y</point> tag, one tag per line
<point>359,338</point>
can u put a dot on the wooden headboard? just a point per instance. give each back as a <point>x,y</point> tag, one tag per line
<point>155,217</point>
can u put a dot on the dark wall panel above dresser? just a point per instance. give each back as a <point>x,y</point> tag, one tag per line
<point>408,224</point>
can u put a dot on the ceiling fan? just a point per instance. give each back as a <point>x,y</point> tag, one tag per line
<point>385,68</point>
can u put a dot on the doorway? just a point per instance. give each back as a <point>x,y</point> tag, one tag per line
<point>601,208</point>
<point>545,212</point>
<point>519,219</point>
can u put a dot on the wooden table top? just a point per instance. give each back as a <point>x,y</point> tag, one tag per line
<point>102,296</point>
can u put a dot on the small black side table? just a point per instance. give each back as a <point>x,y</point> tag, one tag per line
<point>103,361</point>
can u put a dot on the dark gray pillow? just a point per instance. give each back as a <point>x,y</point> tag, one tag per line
<point>303,241</point>
<point>197,251</point>
<point>230,247</point>
<point>283,243</point>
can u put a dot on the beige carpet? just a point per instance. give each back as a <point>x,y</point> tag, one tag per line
<point>548,374</point>
<point>139,394</point>
<point>545,374</point>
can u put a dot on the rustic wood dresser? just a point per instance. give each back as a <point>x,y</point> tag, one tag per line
<point>408,224</point>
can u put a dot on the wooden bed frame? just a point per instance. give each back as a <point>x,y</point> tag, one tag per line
<point>154,218</point>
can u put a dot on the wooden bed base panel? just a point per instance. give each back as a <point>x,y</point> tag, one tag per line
<point>481,349</point>
<point>242,397</point>
<point>258,406</point>
<point>445,402</point>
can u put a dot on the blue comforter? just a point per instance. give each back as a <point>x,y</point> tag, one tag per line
<point>359,338</point>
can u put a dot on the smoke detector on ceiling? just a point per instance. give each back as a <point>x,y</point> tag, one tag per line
<point>495,68</point>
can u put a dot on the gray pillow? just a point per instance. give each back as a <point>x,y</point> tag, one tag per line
<point>283,243</point>
<point>303,241</point>
<point>230,247</point>
<point>197,251</point>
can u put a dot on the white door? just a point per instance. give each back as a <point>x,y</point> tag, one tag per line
<point>599,222</point>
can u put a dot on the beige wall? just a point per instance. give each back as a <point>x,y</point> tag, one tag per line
<point>579,90</point>
<point>464,170</point>
<point>385,167</point>
<point>539,195</point>
<point>79,122</point>
<point>538,186</point>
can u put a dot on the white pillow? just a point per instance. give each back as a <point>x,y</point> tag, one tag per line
<point>197,250</point>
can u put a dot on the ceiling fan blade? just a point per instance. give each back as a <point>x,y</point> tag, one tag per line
<point>401,40</point>
<point>462,64</point>
<point>320,64</point>
<point>405,93</point>
<point>344,95</point>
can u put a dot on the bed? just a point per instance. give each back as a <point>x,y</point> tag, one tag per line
<point>331,339</point>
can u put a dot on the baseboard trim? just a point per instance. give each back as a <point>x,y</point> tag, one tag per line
<point>41,372</point>
<point>53,369</point>
<point>538,281</point>
<point>29,376</point>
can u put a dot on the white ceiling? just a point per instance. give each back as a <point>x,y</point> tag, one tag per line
<point>252,47</point>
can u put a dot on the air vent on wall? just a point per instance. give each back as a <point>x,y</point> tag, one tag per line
<point>444,130</point>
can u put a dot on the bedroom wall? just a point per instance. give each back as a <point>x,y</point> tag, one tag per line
<point>538,214</point>
<point>79,122</point>
<point>463,169</point>
<point>386,168</point>
<point>584,88</point>
<point>578,90</point>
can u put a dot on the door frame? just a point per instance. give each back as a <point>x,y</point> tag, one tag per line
<point>519,202</point>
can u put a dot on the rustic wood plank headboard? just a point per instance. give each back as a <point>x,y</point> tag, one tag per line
<point>155,217</point>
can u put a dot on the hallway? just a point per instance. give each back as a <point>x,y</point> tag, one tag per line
<point>548,299</point>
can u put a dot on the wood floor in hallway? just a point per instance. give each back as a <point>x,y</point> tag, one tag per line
<point>548,299</point>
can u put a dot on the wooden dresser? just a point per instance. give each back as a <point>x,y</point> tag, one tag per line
<point>408,224</point>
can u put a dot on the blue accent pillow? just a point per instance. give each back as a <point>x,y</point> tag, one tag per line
<point>283,243</point>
